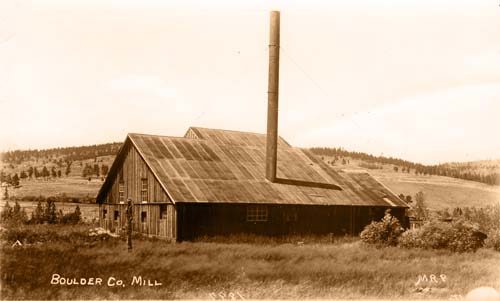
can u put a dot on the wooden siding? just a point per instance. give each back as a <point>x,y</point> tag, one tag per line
<point>160,219</point>
<point>160,212</point>
<point>197,220</point>
<point>134,169</point>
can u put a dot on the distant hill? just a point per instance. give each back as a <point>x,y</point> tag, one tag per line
<point>441,192</point>
<point>486,171</point>
<point>73,153</point>
<point>75,174</point>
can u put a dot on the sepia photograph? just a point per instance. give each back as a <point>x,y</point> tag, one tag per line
<point>232,150</point>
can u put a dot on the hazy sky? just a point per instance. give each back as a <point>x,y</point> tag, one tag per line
<point>417,79</point>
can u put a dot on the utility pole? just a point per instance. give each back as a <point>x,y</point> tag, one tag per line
<point>130,217</point>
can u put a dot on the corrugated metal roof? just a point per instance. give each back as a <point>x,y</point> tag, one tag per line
<point>219,166</point>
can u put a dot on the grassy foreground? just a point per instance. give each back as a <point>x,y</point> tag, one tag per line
<point>224,271</point>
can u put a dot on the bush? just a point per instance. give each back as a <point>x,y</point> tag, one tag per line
<point>71,218</point>
<point>493,240</point>
<point>466,236</point>
<point>41,214</point>
<point>458,236</point>
<point>30,234</point>
<point>15,215</point>
<point>384,232</point>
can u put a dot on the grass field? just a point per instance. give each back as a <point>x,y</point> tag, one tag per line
<point>71,186</point>
<point>346,269</point>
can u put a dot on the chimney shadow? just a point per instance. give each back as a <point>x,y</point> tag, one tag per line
<point>306,183</point>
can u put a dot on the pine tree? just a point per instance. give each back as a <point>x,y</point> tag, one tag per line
<point>18,214</point>
<point>37,216</point>
<point>15,180</point>
<point>77,215</point>
<point>6,212</point>
<point>45,172</point>
<point>68,169</point>
<point>17,208</point>
<point>96,170</point>
<point>104,169</point>
<point>50,214</point>
<point>408,199</point>
<point>421,210</point>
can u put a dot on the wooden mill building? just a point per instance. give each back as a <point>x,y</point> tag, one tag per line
<point>212,182</point>
<point>218,182</point>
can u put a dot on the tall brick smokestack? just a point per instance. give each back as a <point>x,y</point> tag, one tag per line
<point>272,97</point>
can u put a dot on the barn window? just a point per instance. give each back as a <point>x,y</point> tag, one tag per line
<point>144,190</point>
<point>121,192</point>
<point>144,216</point>
<point>257,214</point>
<point>163,211</point>
<point>104,213</point>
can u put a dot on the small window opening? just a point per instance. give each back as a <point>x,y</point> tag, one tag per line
<point>257,214</point>
<point>163,211</point>
<point>144,190</point>
<point>121,192</point>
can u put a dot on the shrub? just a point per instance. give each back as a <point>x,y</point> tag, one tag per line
<point>41,214</point>
<point>458,236</point>
<point>16,215</point>
<point>411,239</point>
<point>384,232</point>
<point>6,212</point>
<point>466,236</point>
<point>71,218</point>
<point>30,234</point>
<point>493,240</point>
<point>37,216</point>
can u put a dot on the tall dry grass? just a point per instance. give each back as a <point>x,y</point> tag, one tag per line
<point>343,269</point>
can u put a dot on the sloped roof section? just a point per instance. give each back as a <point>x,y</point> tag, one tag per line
<point>217,166</point>
<point>232,137</point>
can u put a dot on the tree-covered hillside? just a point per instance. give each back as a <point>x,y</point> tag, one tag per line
<point>487,172</point>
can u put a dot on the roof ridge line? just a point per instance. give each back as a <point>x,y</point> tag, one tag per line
<point>153,135</point>
<point>234,131</point>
